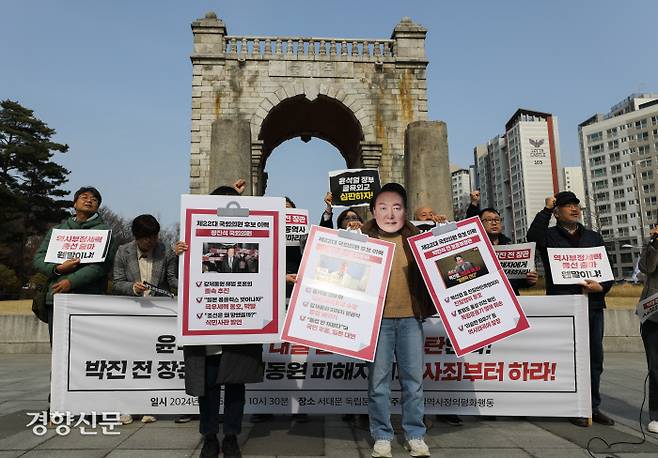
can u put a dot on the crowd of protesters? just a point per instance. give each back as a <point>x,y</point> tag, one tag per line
<point>147,261</point>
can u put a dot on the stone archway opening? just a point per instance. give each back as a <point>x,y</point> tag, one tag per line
<point>299,170</point>
<point>324,118</point>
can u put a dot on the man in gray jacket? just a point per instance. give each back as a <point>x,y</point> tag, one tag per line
<point>145,260</point>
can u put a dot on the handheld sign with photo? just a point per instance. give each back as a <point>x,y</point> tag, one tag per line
<point>571,266</point>
<point>516,260</point>
<point>338,299</point>
<point>296,225</point>
<point>647,308</point>
<point>353,187</point>
<point>232,290</point>
<point>467,285</point>
<point>87,245</point>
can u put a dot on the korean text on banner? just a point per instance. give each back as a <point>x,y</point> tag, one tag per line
<point>232,288</point>
<point>467,285</point>
<point>87,245</point>
<point>541,372</point>
<point>296,225</point>
<point>575,265</point>
<point>516,260</point>
<point>338,300</point>
<point>353,187</point>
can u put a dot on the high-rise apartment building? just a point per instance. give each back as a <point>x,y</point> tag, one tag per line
<point>619,154</point>
<point>461,192</point>
<point>518,170</point>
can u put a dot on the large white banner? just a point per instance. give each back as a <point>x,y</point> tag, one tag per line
<point>120,354</point>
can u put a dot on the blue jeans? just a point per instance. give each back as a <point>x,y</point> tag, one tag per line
<point>402,337</point>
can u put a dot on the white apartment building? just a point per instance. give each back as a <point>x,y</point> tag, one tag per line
<point>518,170</point>
<point>619,154</point>
<point>461,192</point>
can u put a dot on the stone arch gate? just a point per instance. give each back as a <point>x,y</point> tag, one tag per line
<point>367,97</point>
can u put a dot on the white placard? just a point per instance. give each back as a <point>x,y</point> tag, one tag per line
<point>339,296</point>
<point>296,225</point>
<point>541,372</point>
<point>516,260</point>
<point>647,308</point>
<point>571,266</point>
<point>467,285</point>
<point>87,245</point>
<point>231,277</point>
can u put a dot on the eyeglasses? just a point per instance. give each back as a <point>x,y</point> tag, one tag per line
<point>492,220</point>
<point>351,218</point>
<point>572,205</point>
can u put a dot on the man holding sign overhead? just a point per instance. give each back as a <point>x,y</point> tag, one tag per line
<point>567,234</point>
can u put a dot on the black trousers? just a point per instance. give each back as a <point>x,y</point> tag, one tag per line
<point>649,332</point>
<point>596,326</point>
<point>234,399</point>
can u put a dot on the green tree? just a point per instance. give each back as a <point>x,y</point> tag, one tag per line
<point>30,183</point>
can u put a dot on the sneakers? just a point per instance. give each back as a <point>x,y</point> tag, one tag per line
<point>148,419</point>
<point>210,447</point>
<point>231,447</point>
<point>126,419</point>
<point>381,449</point>
<point>417,447</point>
<point>653,426</point>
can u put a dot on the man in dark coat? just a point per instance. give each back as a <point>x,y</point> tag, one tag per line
<point>570,233</point>
<point>208,367</point>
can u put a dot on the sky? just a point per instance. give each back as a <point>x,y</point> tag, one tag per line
<point>114,78</point>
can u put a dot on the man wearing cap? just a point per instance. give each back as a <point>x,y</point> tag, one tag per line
<point>71,276</point>
<point>407,304</point>
<point>570,233</point>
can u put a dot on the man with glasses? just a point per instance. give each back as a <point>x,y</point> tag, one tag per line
<point>570,233</point>
<point>493,226</point>
<point>71,276</point>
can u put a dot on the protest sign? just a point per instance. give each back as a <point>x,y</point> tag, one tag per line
<point>231,276</point>
<point>467,285</point>
<point>516,260</point>
<point>296,225</point>
<point>541,372</point>
<point>353,187</point>
<point>575,265</point>
<point>87,245</point>
<point>338,299</point>
<point>647,308</point>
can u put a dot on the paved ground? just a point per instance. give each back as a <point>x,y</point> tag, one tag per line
<point>24,387</point>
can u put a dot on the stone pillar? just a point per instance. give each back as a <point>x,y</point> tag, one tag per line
<point>230,153</point>
<point>209,34</point>
<point>427,168</point>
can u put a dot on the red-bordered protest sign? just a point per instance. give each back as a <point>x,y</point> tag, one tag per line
<point>230,274</point>
<point>467,285</point>
<point>338,299</point>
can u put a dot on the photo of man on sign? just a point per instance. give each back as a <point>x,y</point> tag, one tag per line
<point>462,267</point>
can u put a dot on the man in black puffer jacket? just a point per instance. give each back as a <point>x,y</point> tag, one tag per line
<point>570,233</point>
